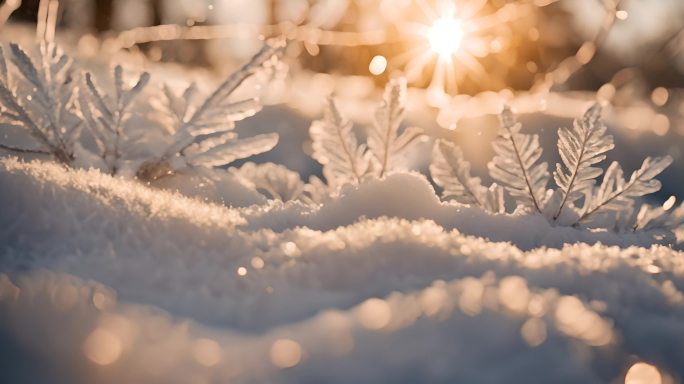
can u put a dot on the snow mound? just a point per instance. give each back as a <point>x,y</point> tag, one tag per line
<point>97,191</point>
<point>410,196</point>
<point>215,185</point>
<point>106,280</point>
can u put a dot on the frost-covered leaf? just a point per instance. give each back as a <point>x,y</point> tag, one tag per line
<point>19,115</point>
<point>222,119</point>
<point>106,119</point>
<point>335,146</point>
<point>384,140</point>
<point>516,164</point>
<point>272,180</point>
<point>40,99</point>
<point>450,171</point>
<point>315,191</point>
<point>615,193</point>
<point>219,98</point>
<point>200,132</point>
<point>226,149</point>
<point>658,217</point>
<point>128,95</point>
<point>580,148</point>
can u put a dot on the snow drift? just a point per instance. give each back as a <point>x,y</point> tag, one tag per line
<point>107,280</point>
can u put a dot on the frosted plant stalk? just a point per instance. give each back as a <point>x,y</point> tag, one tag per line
<point>40,100</point>
<point>615,192</point>
<point>335,146</point>
<point>450,171</point>
<point>384,140</point>
<point>516,164</point>
<point>579,149</point>
<point>202,133</point>
<point>106,120</point>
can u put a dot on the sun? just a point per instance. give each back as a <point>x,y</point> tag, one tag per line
<point>445,36</point>
<point>449,38</point>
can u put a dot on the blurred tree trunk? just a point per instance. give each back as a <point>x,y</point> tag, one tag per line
<point>272,12</point>
<point>103,15</point>
<point>157,12</point>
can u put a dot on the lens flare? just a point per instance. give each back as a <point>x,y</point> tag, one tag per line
<point>450,39</point>
<point>445,36</point>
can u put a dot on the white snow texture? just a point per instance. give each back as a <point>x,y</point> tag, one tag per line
<point>106,280</point>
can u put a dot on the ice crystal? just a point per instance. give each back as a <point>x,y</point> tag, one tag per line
<point>344,159</point>
<point>450,171</point>
<point>40,100</point>
<point>106,119</point>
<point>516,164</point>
<point>202,133</point>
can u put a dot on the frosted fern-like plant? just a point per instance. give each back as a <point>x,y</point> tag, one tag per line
<point>201,132</point>
<point>450,171</point>
<point>616,193</point>
<point>272,180</point>
<point>516,163</point>
<point>39,99</point>
<point>384,140</point>
<point>577,200</point>
<point>106,119</point>
<point>335,146</point>
<point>580,148</point>
<point>648,217</point>
<point>277,182</point>
<point>344,159</point>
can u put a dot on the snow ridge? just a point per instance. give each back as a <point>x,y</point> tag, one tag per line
<point>179,290</point>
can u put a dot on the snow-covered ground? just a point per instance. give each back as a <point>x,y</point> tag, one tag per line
<point>196,277</point>
<point>107,280</point>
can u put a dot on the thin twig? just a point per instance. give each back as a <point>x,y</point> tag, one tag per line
<point>572,64</point>
<point>24,150</point>
<point>304,33</point>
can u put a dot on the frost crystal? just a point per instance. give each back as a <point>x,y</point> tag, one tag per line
<point>450,171</point>
<point>384,140</point>
<point>579,149</point>
<point>648,217</point>
<point>335,146</point>
<point>616,193</point>
<point>106,119</point>
<point>344,159</point>
<point>272,180</point>
<point>40,101</point>
<point>516,164</point>
<point>202,133</point>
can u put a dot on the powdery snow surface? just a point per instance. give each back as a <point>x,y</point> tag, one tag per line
<point>107,280</point>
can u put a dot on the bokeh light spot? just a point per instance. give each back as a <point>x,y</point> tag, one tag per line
<point>206,352</point>
<point>377,65</point>
<point>285,353</point>
<point>533,331</point>
<point>102,347</point>
<point>257,262</point>
<point>642,373</point>
<point>374,313</point>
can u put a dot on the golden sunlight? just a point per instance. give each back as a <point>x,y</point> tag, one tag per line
<point>452,39</point>
<point>445,36</point>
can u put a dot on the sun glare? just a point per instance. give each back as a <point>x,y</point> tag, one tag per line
<point>445,36</point>
<point>451,37</point>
